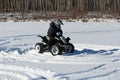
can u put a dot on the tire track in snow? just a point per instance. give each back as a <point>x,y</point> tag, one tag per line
<point>93,32</point>
<point>12,76</point>
<point>18,37</point>
<point>18,43</point>
<point>4,43</point>
<point>25,73</point>
<point>86,71</point>
<point>116,60</point>
<point>3,77</point>
<point>101,75</point>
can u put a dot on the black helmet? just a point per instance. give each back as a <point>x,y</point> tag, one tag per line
<point>59,22</point>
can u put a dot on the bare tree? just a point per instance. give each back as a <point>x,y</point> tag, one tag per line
<point>76,7</point>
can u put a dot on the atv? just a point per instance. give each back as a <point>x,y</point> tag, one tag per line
<point>60,46</point>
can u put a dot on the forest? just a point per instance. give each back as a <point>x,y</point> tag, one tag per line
<point>61,8</point>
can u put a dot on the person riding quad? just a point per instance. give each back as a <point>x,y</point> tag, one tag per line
<point>53,31</point>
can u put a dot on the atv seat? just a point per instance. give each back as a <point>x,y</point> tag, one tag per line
<point>45,39</point>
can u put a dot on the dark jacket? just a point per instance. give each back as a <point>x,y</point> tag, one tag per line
<point>53,29</point>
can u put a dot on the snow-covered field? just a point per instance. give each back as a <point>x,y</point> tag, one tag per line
<point>96,55</point>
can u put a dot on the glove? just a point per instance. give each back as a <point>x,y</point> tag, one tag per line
<point>67,39</point>
<point>58,34</point>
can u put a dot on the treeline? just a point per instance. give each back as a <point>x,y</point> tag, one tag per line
<point>71,7</point>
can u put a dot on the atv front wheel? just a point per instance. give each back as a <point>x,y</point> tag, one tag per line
<point>69,48</point>
<point>56,50</point>
<point>39,47</point>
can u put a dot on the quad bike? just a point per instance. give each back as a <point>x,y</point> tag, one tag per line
<point>61,45</point>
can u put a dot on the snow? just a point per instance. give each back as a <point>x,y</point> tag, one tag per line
<point>96,55</point>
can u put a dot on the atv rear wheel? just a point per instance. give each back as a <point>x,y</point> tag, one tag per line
<point>39,47</point>
<point>56,50</point>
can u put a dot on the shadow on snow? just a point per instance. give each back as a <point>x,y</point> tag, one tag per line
<point>91,51</point>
